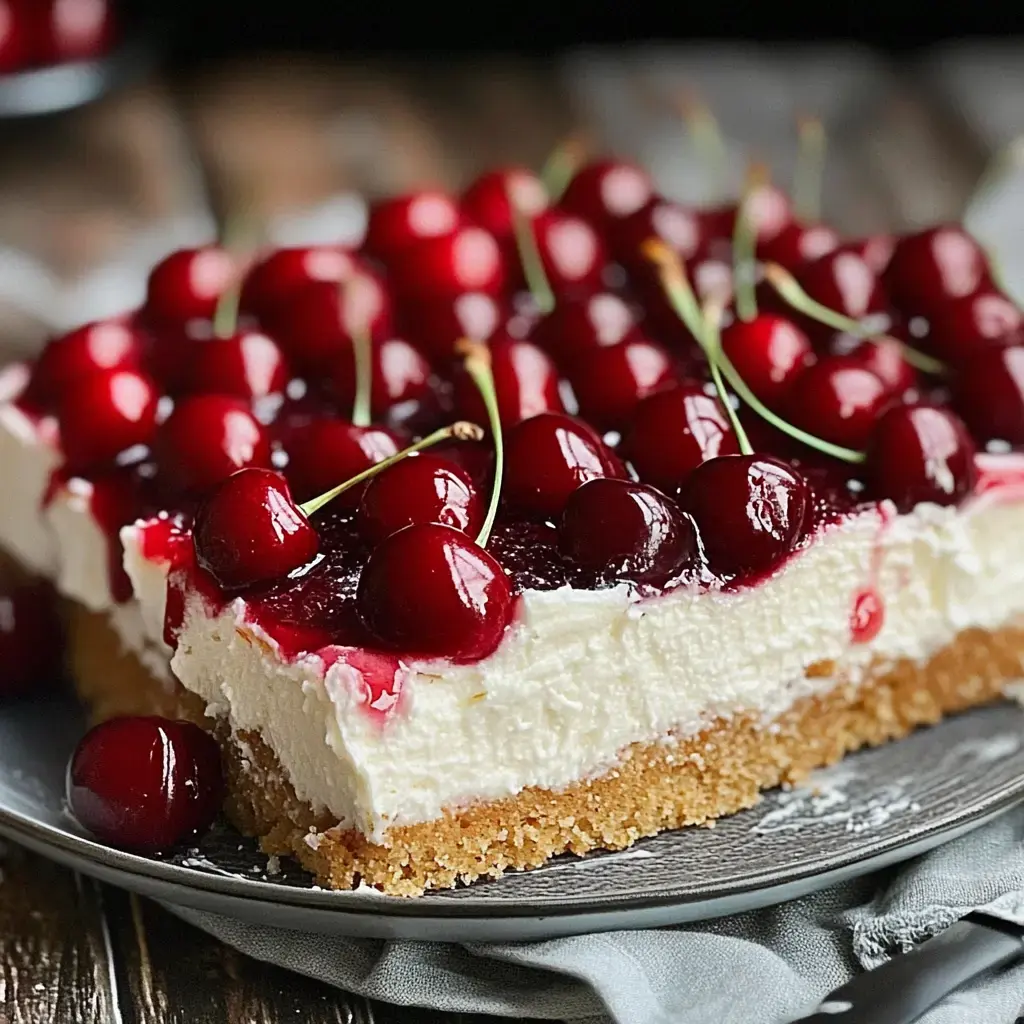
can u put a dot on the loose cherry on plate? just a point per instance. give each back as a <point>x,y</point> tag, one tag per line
<point>839,400</point>
<point>248,364</point>
<point>609,382</point>
<point>606,191</point>
<point>930,267</point>
<point>206,439</point>
<point>577,326</point>
<point>749,510</point>
<point>920,453</point>
<point>960,326</point>
<point>466,260</point>
<point>547,458</point>
<point>188,284</point>
<point>248,530</point>
<point>280,274</point>
<point>30,640</point>
<point>104,415</point>
<point>769,352</point>
<point>485,202</point>
<point>673,431</point>
<point>435,326</point>
<point>622,529</point>
<point>421,489</point>
<point>430,590</point>
<point>989,393</point>
<point>400,374</point>
<point>398,223</point>
<point>145,784</point>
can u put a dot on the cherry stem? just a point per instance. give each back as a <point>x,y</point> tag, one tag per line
<point>561,166</point>
<point>680,294</point>
<point>529,256</point>
<point>786,285</point>
<point>712,345</point>
<point>239,238</point>
<point>708,143</point>
<point>744,245</point>
<point>362,354</point>
<point>477,363</point>
<point>461,431</point>
<point>810,169</point>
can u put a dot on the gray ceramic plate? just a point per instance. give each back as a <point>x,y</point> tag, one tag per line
<point>876,808</point>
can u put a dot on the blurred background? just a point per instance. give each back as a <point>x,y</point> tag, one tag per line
<point>299,109</point>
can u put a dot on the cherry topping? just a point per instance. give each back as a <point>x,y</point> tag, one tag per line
<point>989,393</point>
<point>571,252</point>
<point>485,202</point>
<point>206,439</point>
<point>839,400</point>
<point>145,784</point>
<point>398,223</point>
<point>609,382</point>
<point>435,326</point>
<point>625,530</point>
<point>884,358</point>
<point>547,457</point>
<point>283,272</point>
<point>525,381</point>
<point>421,489</point>
<point>767,208</point>
<point>30,640</point>
<point>104,415</point>
<point>932,266</point>
<point>960,326</point>
<point>467,260</point>
<point>749,510</point>
<point>798,243</point>
<point>400,374</point>
<point>249,530</point>
<point>577,326</point>
<point>920,453</point>
<point>607,191</point>
<point>843,282</point>
<point>188,284</point>
<point>678,227</point>
<point>248,364</point>
<point>430,590</point>
<point>769,353</point>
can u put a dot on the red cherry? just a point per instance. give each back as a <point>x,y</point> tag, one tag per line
<point>30,640</point>
<point>769,353</point>
<point>989,393</point>
<point>607,191</point>
<point>188,284</point>
<point>421,489</point>
<point>15,36</point>
<point>280,274</point>
<point>625,530</point>
<point>249,530</point>
<point>875,250</point>
<point>797,244</point>
<point>206,439</point>
<point>933,266</point>
<point>145,784</point>
<point>884,358</point>
<point>398,223</point>
<point>485,202</point>
<point>749,510</point>
<point>838,400</point>
<point>571,251</point>
<point>400,374</point>
<point>525,381</point>
<point>106,414</point>
<point>248,364</point>
<point>94,348</point>
<point>767,207</point>
<point>431,591</point>
<point>547,458</point>
<point>675,225</point>
<point>920,453</point>
<point>436,325</point>
<point>674,431</point>
<point>326,452</point>
<point>70,30</point>
<point>844,283</point>
<point>577,326</point>
<point>960,326</point>
<point>609,382</point>
<point>315,324</point>
<point>467,260</point>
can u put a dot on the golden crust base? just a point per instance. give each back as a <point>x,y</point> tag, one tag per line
<point>657,786</point>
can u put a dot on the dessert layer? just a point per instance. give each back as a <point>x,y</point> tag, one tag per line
<point>657,786</point>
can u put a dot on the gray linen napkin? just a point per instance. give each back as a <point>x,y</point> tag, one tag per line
<point>765,967</point>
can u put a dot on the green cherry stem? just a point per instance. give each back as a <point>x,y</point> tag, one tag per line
<point>477,363</point>
<point>786,285</point>
<point>240,238</point>
<point>461,431</point>
<point>708,143</point>
<point>362,355</point>
<point>712,345</point>
<point>529,256</point>
<point>810,169</point>
<point>561,166</point>
<point>744,244</point>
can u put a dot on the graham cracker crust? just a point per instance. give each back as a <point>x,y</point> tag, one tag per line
<point>657,786</point>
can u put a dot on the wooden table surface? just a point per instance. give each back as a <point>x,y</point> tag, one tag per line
<point>908,143</point>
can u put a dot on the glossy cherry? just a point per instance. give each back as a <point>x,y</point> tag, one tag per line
<point>769,353</point>
<point>31,651</point>
<point>400,374</point>
<point>249,530</point>
<point>677,226</point>
<point>571,252</point>
<point>839,400</point>
<point>989,393</point>
<point>958,327</point>
<point>875,250</point>
<point>547,458</point>
<point>750,511</point>
<point>606,191</point>
<point>282,272</point>
<point>609,382</point>
<point>397,223</point>
<point>248,364</point>
<point>72,30</point>
<point>620,529</point>
<point>920,453</point>
<point>767,207</point>
<point>206,439</point>
<point>844,283</point>
<point>16,42</point>
<point>422,489</point>
<point>430,590</point>
<point>932,266</point>
<point>485,202</point>
<point>187,285</point>
<point>884,358</point>
<point>797,244</point>
<point>525,382</point>
<point>467,260</point>
<point>105,414</point>
<point>575,327</point>
<point>435,326</point>
<point>145,784</point>
<point>674,431</point>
